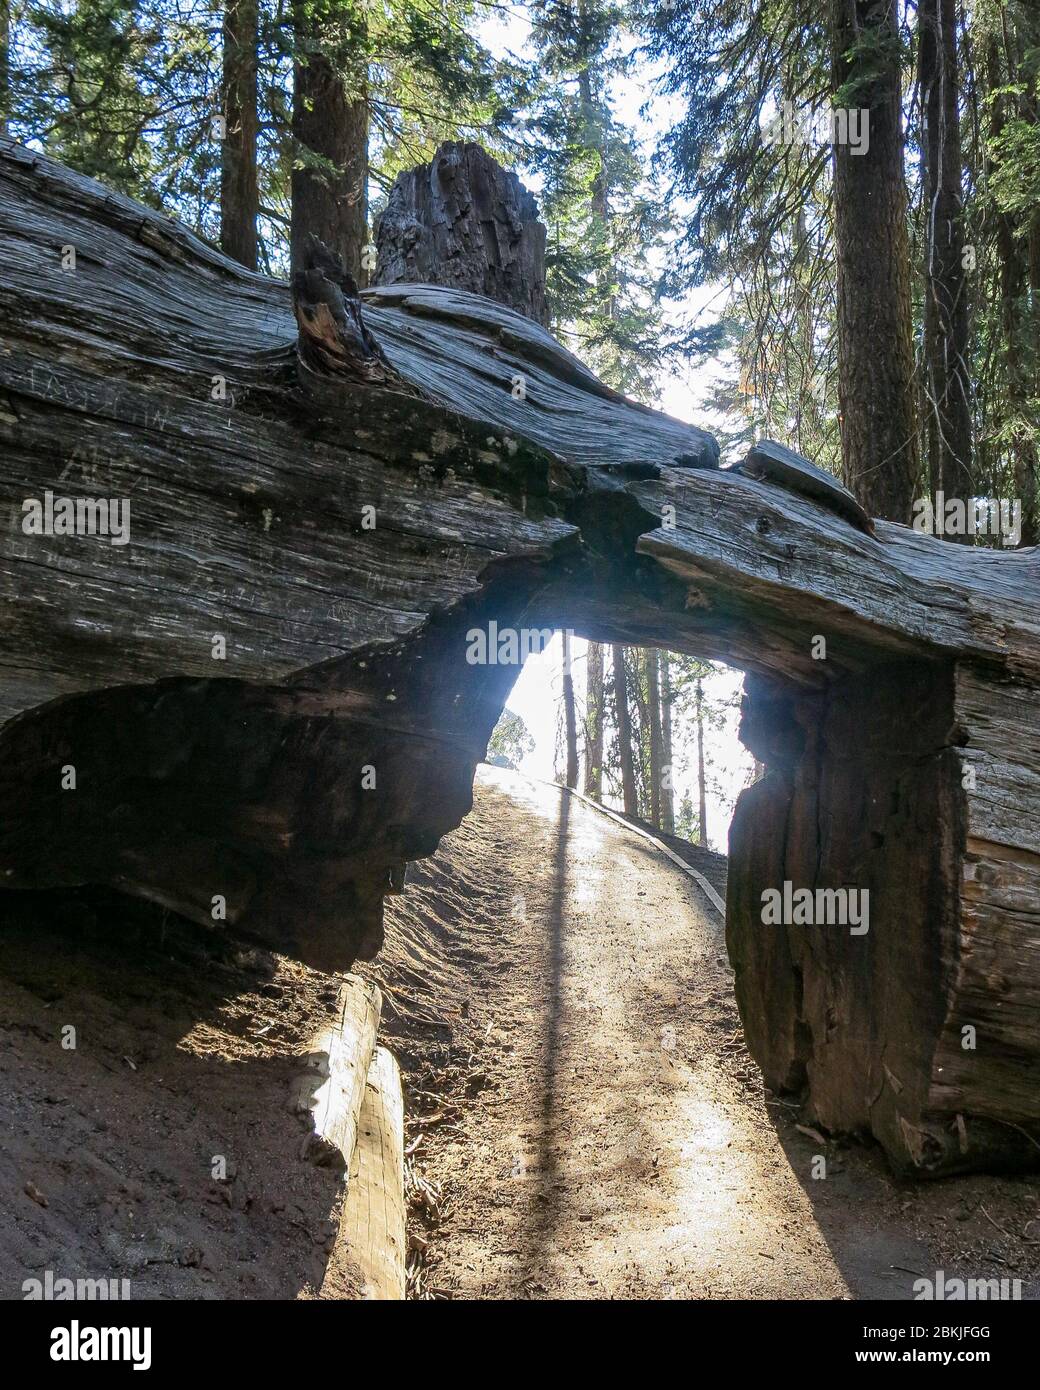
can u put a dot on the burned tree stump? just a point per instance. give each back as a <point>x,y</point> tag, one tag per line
<point>259,707</point>
<point>464,222</point>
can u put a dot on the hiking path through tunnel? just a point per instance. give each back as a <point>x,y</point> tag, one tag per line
<point>623,1146</point>
<point>224,701</point>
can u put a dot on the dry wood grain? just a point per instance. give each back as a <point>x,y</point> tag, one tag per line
<point>330,1094</point>
<point>373,1225</point>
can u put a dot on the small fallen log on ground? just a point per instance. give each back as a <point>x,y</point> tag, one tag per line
<point>329,1095</point>
<point>373,1225</point>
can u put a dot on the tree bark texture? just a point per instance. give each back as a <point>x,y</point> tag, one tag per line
<point>946,402</point>
<point>668,782</point>
<point>702,785</point>
<point>653,702</point>
<point>623,721</point>
<point>875,349</point>
<point>464,222</point>
<point>239,183</point>
<point>330,134</point>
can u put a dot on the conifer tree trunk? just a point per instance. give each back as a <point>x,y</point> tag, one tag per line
<point>875,352</point>
<point>594,712</point>
<point>1018,273</point>
<point>946,386</point>
<point>638,691</point>
<point>569,715</point>
<point>463,221</point>
<point>653,703</point>
<point>667,784</point>
<point>5,65</point>
<point>702,789</point>
<point>624,730</point>
<point>330,130</point>
<point>239,183</point>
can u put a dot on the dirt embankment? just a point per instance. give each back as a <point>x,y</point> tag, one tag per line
<point>144,1080</point>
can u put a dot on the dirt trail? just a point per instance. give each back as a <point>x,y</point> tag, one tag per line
<point>583,1118</point>
<point>620,1145</point>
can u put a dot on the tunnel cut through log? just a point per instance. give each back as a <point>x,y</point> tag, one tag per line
<point>313,537</point>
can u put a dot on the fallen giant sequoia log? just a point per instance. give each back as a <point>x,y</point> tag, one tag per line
<point>262,704</point>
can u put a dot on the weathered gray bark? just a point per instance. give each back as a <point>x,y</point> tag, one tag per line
<point>653,709</point>
<point>464,222</point>
<point>702,784</point>
<point>367,492</point>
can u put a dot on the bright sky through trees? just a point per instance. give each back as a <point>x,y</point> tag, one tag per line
<point>536,699</point>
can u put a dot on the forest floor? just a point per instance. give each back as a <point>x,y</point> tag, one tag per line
<point>583,1120</point>
<point>185,1053</point>
<point>594,1125</point>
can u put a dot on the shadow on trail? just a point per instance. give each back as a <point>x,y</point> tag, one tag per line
<point>547,1197</point>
